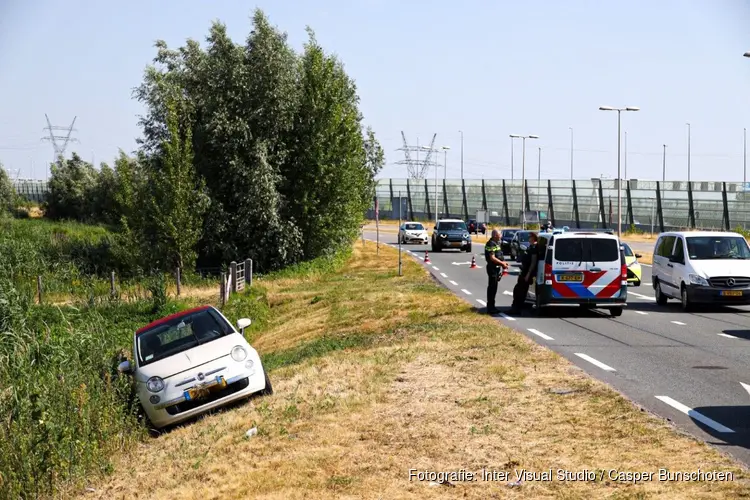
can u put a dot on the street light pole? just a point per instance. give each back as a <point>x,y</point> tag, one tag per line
<point>571,153</point>
<point>511,158</point>
<point>626,157</point>
<point>523,175</point>
<point>539,178</point>
<point>744,156</point>
<point>462,154</point>
<point>688,145</point>
<point>619,177</point>
<point>664,164</point>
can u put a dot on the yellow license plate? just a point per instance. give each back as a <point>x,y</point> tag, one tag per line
<point>732,293</point>
<point>576,278</point>
<point>456,244</point>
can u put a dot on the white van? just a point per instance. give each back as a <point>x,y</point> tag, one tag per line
<point>701,267</point>
<point>584,268</point>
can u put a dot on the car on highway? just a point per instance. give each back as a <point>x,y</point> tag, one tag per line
<point>476,227</point>
<point>583,268</point>
<point>701,267</point>
<point>451,233</point>
<point>634,267</point>
<point>506,236</point>
<point>190,362</point>
<point>413,232</point>
<point>519,243</point>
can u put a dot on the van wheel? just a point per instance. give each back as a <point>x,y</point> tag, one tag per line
<point>685,301</point>
<point>615,311</point>
<point>661,299</point>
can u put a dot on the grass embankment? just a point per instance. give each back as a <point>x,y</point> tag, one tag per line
<point>375,374</point>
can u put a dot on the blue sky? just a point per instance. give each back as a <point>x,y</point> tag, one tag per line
<point>487,68</point>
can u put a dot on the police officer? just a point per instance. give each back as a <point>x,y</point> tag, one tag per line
<point>493,254</point>
<point>528,266</point>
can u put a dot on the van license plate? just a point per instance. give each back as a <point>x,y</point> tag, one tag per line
<point>575,278</point>
<point>732,293</point>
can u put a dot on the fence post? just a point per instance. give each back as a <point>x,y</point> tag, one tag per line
<point>178,276</point>
<point>658,207</point>
<point>691,208</point>
<point>408,194</point>
<point>505,204</point>
<point>631,218</point>
<point>233,275</point>
<point>427,201</point>
<point>39,288</point>
<point>222,289</point>
<point>550,205</point>
<point>484,198</point>
<point>575,206</point>
<point>727,225</point>
<point>445,201</point>
<point>603,216</point>
<point>526,198</point>
<point>112,290</point>
<point>248,272</point>
<point>465,203</point>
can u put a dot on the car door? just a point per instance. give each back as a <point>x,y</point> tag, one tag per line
<point>676,264</point>
<point>603,277</point>
<point>663,267</point>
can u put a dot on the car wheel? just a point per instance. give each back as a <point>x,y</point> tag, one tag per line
<point>268,390</point>
<point>615,311</point>
<point>684,299</point>
<point>661,299</point>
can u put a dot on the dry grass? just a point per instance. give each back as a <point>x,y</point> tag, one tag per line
<point>429,385</point>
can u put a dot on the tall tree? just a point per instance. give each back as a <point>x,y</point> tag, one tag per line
<point>7,192</point>
<point>374,161</point>
<point>72,190</point>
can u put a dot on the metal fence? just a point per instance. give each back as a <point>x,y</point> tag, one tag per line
<point>32,190</point>
<point>646,205</point>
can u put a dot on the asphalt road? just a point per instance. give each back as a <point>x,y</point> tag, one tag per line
<point>688,368</point>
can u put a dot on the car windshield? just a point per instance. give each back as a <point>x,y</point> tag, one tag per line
<point>414,227</point>
<point>180,334</point>
<point>717,247</point>
<point>626,249</point>
<point>452,226</point>
<point>508,233</point>
<point>523,237</point>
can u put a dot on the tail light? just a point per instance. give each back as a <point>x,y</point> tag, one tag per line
<point>547,271</point>
<point>624,271</point>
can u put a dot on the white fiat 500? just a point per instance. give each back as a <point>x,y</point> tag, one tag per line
<point>193,361</point>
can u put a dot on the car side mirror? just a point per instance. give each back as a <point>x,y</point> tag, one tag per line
<point>638,256</point>
<point>125,367</point>
<point>242,324</point>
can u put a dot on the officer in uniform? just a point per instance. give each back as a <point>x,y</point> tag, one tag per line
<point>528,268</point>
<point>493,255</point>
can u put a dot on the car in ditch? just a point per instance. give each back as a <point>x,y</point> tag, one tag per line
<point>190,362</point>
<point>451,233</point>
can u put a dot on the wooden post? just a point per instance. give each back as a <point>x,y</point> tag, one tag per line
<point>179,281</point>
<point>248,273</point>
<point>222,289</point>
<point>112,290</point>
<point>39,288</point>
<point>233,274</point>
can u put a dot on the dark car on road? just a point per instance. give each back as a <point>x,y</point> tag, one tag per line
<point>506,236</point>
<point>451,233</point>
<point>477,227</point>
<point>519,244</point>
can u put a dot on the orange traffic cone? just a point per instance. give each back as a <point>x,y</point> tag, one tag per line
<point>473,262</point>
<point>426,257</point>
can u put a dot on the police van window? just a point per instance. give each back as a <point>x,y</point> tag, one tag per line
<point>603,250</point>
<point>569,250</point>
<point>679,251</point>
<point>665,249</point>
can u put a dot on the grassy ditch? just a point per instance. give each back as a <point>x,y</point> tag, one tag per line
<point>376,374</point>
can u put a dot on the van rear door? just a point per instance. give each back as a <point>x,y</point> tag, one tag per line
<point>604,267</point>
<point>569,268</point>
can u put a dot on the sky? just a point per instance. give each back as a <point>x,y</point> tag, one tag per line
<point>486,68</point>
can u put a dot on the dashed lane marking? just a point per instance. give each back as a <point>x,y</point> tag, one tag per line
<point>466,291</point>
<point>435,268</point>
<point>503,315</point>
<point>540,334</point>
<point>694,414</point>
<point>481,302</point>
<point>453,283</point>
<point>507,292</point>
<point>678,323</point>
<point>641,296</point>
<point>727,335</point>
<point>443,275</point>
<point>641,313</point>
<point>595,362</point>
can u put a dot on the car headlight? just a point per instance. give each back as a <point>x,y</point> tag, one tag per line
<point>155,384</point>
<point>239,353</point>
<point>466,236</point>
<point>698,280</point>
<point>443,235</point>
<point>249,364</point>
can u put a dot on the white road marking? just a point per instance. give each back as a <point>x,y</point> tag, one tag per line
<point>435,268</point>
<point>443,275</point>
<point>641,313</point>
<point>646,284</point>
<point>481,302</point>
<point>694,414</point>
<point>641,296</point>
<point>453,283</point>
<point>466,291</point>
<point>727,335</point>
<point>540,334</point>
<point>746,387</point>
<point>507,292</point>
<point>595,362</point>
<point>678,323</point>
<point>503,315</point>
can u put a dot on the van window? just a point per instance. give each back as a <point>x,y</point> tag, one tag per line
<point>603,250</point>
<point>569,250</point>
<point>665,249</point>
<point>679,251</point>
<point>717,247</point>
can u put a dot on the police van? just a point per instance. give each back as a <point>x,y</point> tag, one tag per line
<point>584,268</point>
